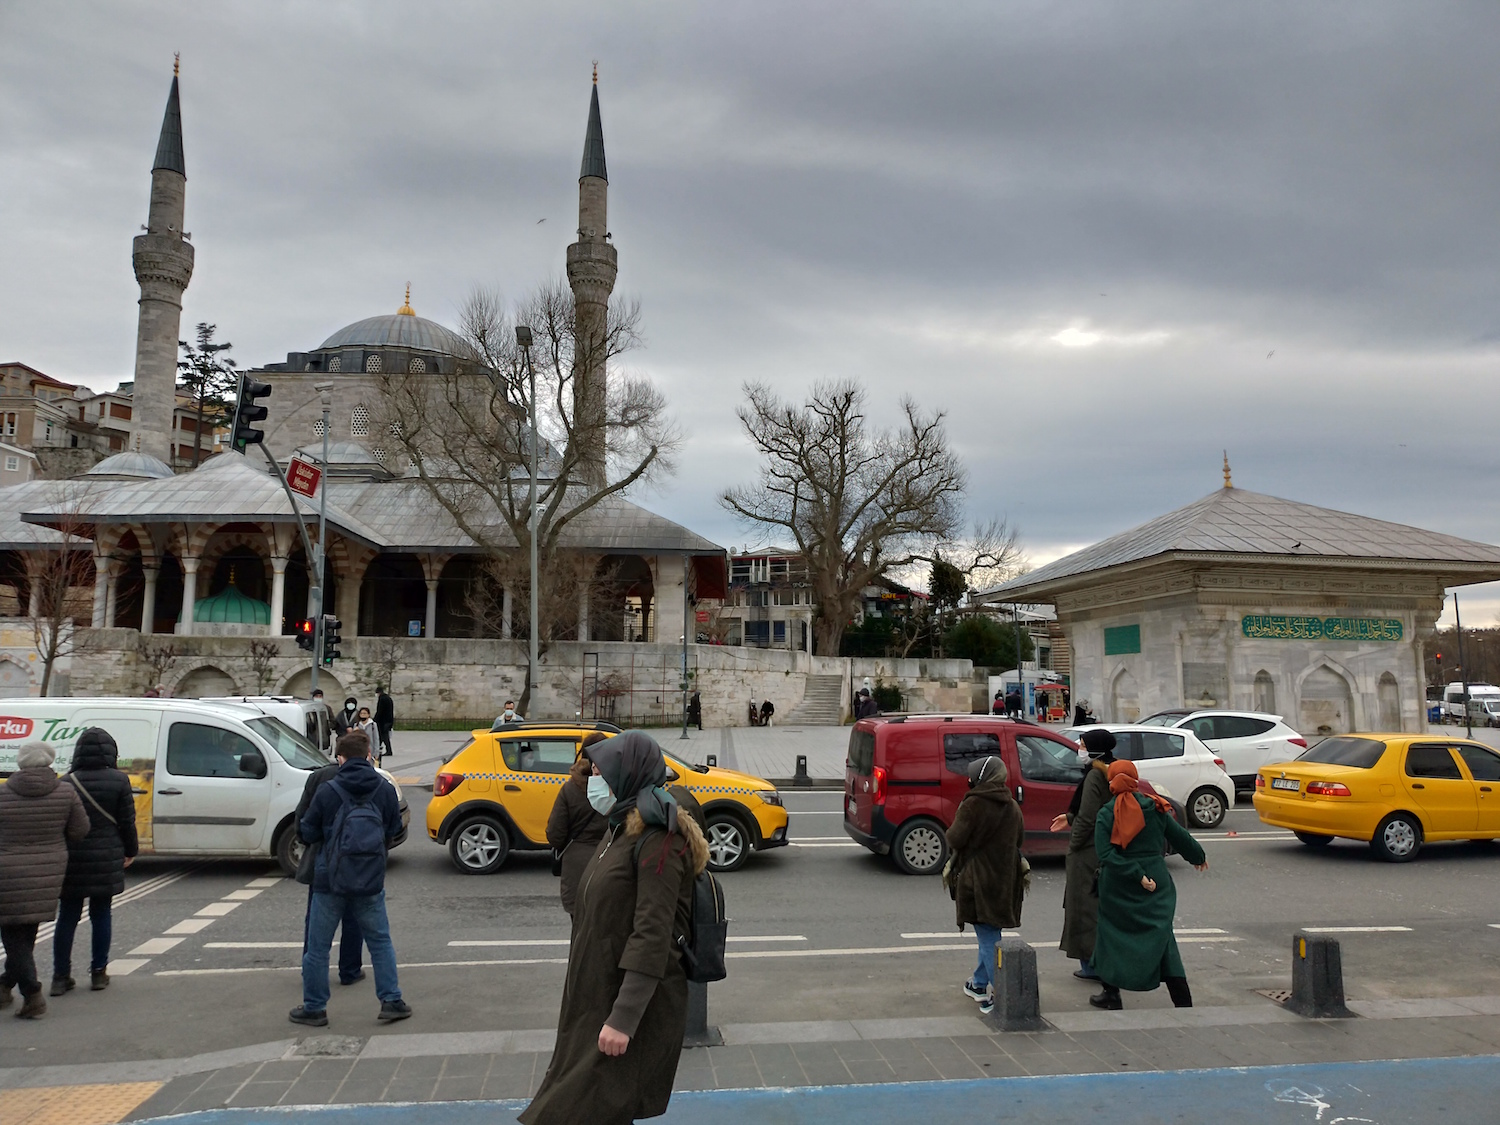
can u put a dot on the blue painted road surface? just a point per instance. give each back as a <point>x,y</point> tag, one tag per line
<point>1462,1091</point>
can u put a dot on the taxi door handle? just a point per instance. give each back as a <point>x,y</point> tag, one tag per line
<point>1484,788</point>
<point>1418,785</point>
<point>512,788</point>
<point>170,792</point>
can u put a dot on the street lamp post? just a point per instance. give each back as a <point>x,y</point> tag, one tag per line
<point>523,338</point>
<point>1458,625</point>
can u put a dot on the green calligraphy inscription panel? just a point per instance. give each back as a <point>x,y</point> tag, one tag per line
<point>1293,628</point>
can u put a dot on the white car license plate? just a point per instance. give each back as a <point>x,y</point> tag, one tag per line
<point>1290,783</point>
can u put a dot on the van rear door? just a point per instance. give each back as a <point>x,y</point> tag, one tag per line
<point>1050,771</point>
<point>212,790</point>
<point>859,769</point>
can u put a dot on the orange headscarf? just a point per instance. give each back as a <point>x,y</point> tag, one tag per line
<point>1124,782</point>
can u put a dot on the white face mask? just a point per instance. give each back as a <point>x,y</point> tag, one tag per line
<point>600,795</point>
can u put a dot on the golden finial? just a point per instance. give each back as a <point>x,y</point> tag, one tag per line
<point>406,309</point>
<point>596,72</point>
<point>1227,482</point>
<point>176,63</point>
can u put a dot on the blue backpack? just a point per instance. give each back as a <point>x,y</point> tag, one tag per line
<point>354,853</point>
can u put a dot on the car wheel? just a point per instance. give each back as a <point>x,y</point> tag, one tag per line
<point>728,843</point>
<point>1313,840</point>
<point>920,848</point>
<point>289,849</point>
<point>1398,838</point>
<point>1206,808</point>
<point>479,846</point>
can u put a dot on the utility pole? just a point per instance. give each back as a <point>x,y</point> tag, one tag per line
<point>685,626</point>
<point>523,338</point>
<point>1458,625</point>
<point>320,563</point>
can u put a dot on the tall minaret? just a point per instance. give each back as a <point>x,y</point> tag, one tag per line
<point>592,265</point>
<point>163,264</point>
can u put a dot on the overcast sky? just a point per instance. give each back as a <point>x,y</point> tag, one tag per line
<point>1109,240</point>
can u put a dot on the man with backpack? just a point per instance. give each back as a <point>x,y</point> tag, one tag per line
<point>353,818</point>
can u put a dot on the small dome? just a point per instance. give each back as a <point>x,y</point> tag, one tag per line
<point>130,465</point>
<point>397,330</point>
<point>231,607</point>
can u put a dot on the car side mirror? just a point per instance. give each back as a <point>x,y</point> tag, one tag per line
<point>253,762</point>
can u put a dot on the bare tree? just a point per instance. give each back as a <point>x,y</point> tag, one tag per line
<point>859,501</point>
<point>262,658</point>
<point>60,581</point>
<point>156,658</point>
<point>468,437</point>
<point>209,378</point>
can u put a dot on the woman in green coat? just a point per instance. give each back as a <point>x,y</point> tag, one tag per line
<point>1080,896</point>
<point>1135,948</point>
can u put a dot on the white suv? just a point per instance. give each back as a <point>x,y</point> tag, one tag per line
<point>1177,765</point>
<point>1245,740</point>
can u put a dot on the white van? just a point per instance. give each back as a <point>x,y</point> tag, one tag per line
<point>210,779</point>
<point>1453,698</point>
<point>314,720</point>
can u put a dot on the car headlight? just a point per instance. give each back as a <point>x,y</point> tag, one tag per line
<point>770,797</point>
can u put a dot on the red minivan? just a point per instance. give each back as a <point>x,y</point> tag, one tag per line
<point>906,774</point>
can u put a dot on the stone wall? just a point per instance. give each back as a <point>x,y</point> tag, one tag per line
<point>453,678</point>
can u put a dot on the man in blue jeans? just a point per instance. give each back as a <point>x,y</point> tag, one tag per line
<point>351,941</point>
<point>355,785</point>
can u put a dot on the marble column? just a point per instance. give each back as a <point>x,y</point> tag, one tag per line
<point>34,602</point>
<point>671,621</point>
<point>432,588</point>
<point>189,594</point>
<point>111,598</point>
<point>505,614</point>
<point>101,590</point>
<point>150,572</point>
<point>278,594</point>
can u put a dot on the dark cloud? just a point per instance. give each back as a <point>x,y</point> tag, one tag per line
<point>1078,229</point>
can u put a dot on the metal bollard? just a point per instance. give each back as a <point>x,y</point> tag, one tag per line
<point>699,1033</point>
<point>711,759</point>
<point>800,777</point>
<point>1317,978</point>
<point>1018,1005</point>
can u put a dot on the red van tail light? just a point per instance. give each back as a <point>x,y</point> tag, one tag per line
<point>877,785</point>
<point>446,783</point>
<point>1302,742</point>
<point>1327,789</point>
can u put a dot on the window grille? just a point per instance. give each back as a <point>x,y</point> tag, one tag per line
<point>373,365</point>
<point>417,366</point>
<point>336,363</point>
<point>359,422</point>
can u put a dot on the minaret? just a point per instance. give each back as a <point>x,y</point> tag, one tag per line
<point>163,264</point>
<point>592,265</point>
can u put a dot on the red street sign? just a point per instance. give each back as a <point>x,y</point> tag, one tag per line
<point>303,476</point>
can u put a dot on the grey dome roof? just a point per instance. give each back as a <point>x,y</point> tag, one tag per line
<point>131,464</point>
<point>398,330</point>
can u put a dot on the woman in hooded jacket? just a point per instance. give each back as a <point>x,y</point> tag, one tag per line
<point>1135,948</point>
<point>988,881</point>
<point>624,1004</point>
<point>1080,891</point>
<point>96,863</point>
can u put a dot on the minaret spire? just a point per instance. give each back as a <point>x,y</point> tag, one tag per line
<point>592,266</point>
<point>163,261</point>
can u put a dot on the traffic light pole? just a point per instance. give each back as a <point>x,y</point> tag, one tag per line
<point>321,564</point>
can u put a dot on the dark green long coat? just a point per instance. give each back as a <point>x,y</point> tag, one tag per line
<point>624,917</point>
<point>986,838</point>
<point>1135,948</point>
<point>1080,900</point>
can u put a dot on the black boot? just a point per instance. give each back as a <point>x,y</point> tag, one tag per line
<point>1109,999</point>
<point>1177,989</point>
<point>61,985</point>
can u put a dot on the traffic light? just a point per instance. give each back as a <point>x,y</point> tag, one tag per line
<point>305,629</point>
<point>247,409</point>
<point>332,636</point>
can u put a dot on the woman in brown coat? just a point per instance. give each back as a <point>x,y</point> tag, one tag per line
<point>574,828</point>
<point>1081,891</point>
<point>38,816</point>
<point>624,1005</point>
<point>988,881</point>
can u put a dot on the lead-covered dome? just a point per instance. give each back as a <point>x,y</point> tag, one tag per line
<point>400,329</point>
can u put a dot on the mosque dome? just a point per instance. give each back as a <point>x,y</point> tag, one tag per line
<point>231,607</point>
<point>130,465</point>
<point>400,329</point>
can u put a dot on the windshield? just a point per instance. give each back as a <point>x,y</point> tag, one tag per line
<point>1361,753</point>
<point>295,750</point>
<point>1162,719</point>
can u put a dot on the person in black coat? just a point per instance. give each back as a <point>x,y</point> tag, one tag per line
<point>96,863</point>
<point>351,939</point>
<point>385,718</point>
<point>347,719</point>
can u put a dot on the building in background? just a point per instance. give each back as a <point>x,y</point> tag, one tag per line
<point>770,603</point>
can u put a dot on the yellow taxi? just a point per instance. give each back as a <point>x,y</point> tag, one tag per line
<point>1394,791</point>
<point>494,796</point>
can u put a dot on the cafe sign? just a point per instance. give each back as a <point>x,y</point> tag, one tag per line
<point>1291,628</point>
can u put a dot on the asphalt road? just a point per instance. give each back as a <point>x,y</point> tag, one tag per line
<point>820,930</point>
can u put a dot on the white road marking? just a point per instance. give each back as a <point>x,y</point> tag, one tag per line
<point>156,945</point>
<point>771,937</point>
<point>217,909</point>
<point>131,894</point>
<point>190,926</point>
<point>1209,930</point>
<point>243,895</point>
<point>252,945</point>
<point>1356,929</point>
<point>125,966</point>
<point>1199,938</point>
<point>867,952</point>
<point>1494,925</point>
<point>266,881</point>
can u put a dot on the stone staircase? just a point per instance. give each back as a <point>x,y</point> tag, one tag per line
<point>820,704</point>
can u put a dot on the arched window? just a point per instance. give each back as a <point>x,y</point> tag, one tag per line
<point>417,366</point>
<point>1265,692</point>
<point>1388,696</point>
<point>359,421</point>
<point>336,363</point>
<point>373,365</point>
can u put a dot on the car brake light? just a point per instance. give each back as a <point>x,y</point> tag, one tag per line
<point>1327,789</point>
<point>445,783</point>
<point>1220,763</point>
<point>1302,742</point>
<point>877,786</point>
<point>1260,782</point>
